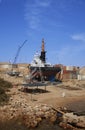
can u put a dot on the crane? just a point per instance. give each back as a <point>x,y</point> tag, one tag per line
<point>12,72</point>
<point>18,51</point>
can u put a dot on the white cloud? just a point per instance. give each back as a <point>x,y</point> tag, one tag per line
<point>78,37</point>
<point>67,5</point>
<point>44,3</point>
<point>47,10</point>
<point>70,54</point>
<point>33,12</point>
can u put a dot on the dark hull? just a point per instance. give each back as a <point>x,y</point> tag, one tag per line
<point>46,72</point>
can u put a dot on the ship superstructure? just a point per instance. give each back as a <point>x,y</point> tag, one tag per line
<point>40,68</point>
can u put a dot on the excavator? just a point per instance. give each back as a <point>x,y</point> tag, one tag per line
<point>14,71</point>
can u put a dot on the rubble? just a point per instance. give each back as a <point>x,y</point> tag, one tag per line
<point>33,113</point>
<point>30,115</point>
<point>78,121</point>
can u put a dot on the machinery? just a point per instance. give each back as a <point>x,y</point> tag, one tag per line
<point>14,71</point>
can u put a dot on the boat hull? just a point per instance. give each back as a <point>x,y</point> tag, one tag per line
<point>48,73</point>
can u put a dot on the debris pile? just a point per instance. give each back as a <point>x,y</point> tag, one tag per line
<point>77,121</point>
<point>31,115</point>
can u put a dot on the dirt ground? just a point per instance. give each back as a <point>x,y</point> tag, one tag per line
<point>69,94</point>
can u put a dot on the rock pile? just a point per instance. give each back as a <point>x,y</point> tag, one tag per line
<point>31,115</point>
<point>77,121</point>
<point>37,114</point>
<point>82,70</point>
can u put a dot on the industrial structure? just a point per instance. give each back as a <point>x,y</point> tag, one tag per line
<point>14,67</point>
<point>40,69</point>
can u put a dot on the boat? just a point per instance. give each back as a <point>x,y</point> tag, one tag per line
<point>40,69</point>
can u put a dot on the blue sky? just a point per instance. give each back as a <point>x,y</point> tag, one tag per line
<point>60,22</point>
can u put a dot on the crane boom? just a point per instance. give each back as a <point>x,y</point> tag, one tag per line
<point>17,54</point>
<point>14,72</point>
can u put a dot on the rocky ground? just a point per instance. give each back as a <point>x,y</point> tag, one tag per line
<point>33,105</point>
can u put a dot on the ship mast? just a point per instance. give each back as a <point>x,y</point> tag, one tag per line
<point>43,46</point>
<point>43,52</point>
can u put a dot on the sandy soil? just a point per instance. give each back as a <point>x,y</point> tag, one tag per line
<point>69,94</point>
